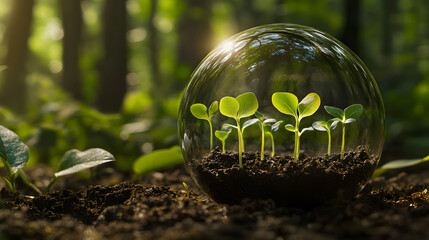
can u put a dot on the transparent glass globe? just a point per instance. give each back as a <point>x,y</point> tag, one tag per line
<point>283,58</point>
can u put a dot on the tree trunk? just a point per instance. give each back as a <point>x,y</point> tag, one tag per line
<point>195,32</point>
<point>72,24</point>
<point>351,28</point>
<point>112,84</point>
<point>13,90</point>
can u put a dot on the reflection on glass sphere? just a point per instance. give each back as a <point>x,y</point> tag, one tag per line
<point>288,60</point>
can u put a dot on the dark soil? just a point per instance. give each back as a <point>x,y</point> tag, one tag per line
<point>394,206</point>
<point>306,182</point>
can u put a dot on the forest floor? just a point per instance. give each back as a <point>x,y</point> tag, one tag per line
<point>394,206</point>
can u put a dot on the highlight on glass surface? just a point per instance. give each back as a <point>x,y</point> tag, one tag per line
<point>281,111</point>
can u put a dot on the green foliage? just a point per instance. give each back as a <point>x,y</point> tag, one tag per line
<point>74,161</point>
<point>200,111</point>
<point>349,115</point>
<point>14,155</point>
<point>222,135</point>
<point>396,164</point>
<point>326,126</point>
<point>287,103</point>
<point>242,106</point>
<point>158,159</point>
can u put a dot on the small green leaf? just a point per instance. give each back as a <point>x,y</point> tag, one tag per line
<point>308,105</point>
<point>320,126</point>
<point>398,164</point>
<point>228,126</point>
<point>285,102</point>
<point>249,123</point>
<point>248,104</point>
<point>3,67</point>
<point>74,160</point>
<point>336,112</point>
<point>333,123</point>
<point>350,120</point>
<point>157,160</point>
<point>290,127</point>
<point>260,116</point>
<point>229,107</point>
<point>221,135</point>
<point>269,121</point>
<point>353,111</point>
<point>306,129</point>
<point>214,107</point>
<point>276,126</point>
<point>12,150</point>
<point>199,111</point>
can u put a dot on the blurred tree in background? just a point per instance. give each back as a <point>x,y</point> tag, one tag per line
<point>110,73</point>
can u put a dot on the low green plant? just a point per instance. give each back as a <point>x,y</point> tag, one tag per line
<point>74,161</point>
<point>158,159</point>
<point>397,164</point>
<point>222,135</point>
<point>326,126</point>
<point>346,116</point>
<point>287,103</point>
<point>244,105</point>
<point>270,129</point>
<point>14,156</point>
<point>200,111</point>
<point>186,189</point>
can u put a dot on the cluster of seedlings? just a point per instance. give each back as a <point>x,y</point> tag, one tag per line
<point>246,105</point>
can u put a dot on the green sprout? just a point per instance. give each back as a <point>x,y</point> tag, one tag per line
<point>326,126</point>
<point>349,115</point>
<point>263,123</point>
<point>287,103</point>
<point>199,111</point>
<point>186,189</point>
<point>270,131</point>
<point>222,135</point>
<point>244,105</point>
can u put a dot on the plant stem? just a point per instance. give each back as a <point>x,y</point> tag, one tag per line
<point>211,134</point>
<point>296,150</point>
<point>272,145</point>
<point>329,142</point>
<point>263,141</point>
<point>343,140</point>
<point>223,146</point>
<point>240,144</point>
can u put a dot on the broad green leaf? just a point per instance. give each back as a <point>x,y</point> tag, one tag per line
<point>398,164</point>
<point>336,112</point>
<point>290,127</point>
<point>214,107</point>
<point>308,105</point>
<point>250,122</point>
<point>353,111</point>
<point>199,111</point>
<point>248,104</point>
<point>320,126</point>
<point>74,160</point>
<point>221,135</point>
<point>229,107</point>
<point>285,102</point>
<point>157,160</point>
<point>260,116</point>
<point>12,150</point>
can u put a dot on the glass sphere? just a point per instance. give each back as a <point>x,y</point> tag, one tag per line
<point>299,76</point>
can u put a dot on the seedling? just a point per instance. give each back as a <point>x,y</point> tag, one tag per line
<point>326,126</point>
<point>74,161</point>
<point>270,131</point>
<point>186,189</point>
<point>349,115</point>
<point>222,135</point>
<point>287,103</point>
<point>244,105</point>
<point>200,111</point>
<point>14,156</point>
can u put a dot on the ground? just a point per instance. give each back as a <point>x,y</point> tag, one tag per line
<point>155,206</point>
